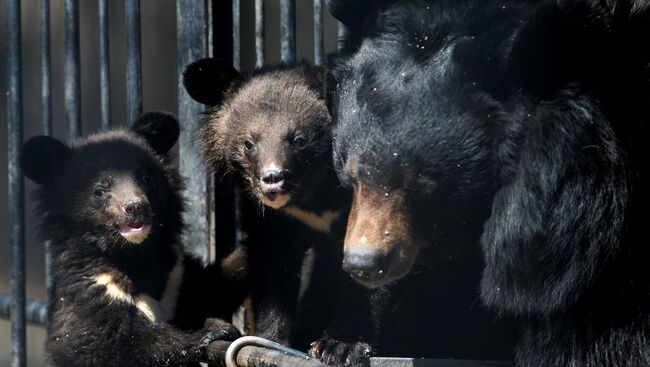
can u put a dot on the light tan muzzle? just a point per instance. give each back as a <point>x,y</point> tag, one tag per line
<point>380,244</point>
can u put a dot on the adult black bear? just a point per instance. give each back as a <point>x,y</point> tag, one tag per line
<point>269,134</point>
<point>112,207</point>
<point>519,123</point>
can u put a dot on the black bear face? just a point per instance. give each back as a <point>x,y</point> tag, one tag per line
<point>271,130</point>
<point>113,187</point>
<point>429,98</point>
<point>410,140</point>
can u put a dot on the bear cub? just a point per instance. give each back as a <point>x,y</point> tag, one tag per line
<point>268,134</point>
<point>112,207</point>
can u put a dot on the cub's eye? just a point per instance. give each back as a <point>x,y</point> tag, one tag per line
<point>248,145</point>
<point>299,142</point>
<point>100,192</point>
<point>146,181</point>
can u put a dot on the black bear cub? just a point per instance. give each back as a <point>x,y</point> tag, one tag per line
<point>269,134</point>
<point>112,207</point>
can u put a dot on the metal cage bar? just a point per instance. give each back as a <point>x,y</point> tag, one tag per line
<point>288,30</point>
<point>236,34</point>
<point>46,68</point>
<point>133,61</point>
<point>104,65</point>
<point>319,41</point>
<point>192,45</point>
<point>46,121</point>
<point>16,184</point>
<point>259,33</point>
<point>71,67</point>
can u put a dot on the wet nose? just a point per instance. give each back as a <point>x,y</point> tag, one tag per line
<point>134,207</point>
<point>271,177</point>
<point>365,263</point>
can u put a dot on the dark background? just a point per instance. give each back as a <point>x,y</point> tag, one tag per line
<point>158,34</point>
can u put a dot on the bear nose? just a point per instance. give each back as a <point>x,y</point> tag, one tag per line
<point>365,263</point>
<point>134,207</point>
<point>272,177</point>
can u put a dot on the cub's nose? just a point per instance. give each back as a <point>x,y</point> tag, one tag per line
<point>272,177</point>
<point>135,207</point>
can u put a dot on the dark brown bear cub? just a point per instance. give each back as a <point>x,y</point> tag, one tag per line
<point>269,134</point>
<point>112,207</point>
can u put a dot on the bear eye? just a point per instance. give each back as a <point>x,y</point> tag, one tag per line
<point>99,193</point>
<point>299,142</point>
<point>248,145</point>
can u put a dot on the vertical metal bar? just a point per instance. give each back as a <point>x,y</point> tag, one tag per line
<point>133,61</point>
<point>259,33</point>
<point>71,67</point>
<point>46,67</point>
<point>16,184</point>
<point>191,42</point>
<point>288,30</point>
<point>104,65</point>
<point>46,110</point>
<point>236,34</point>
<point>318,32</point>
<point>342,34</point>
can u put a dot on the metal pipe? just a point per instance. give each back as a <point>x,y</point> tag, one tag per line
<point>104,65</point>
<point>46,67</point>
<point>236,35</point>
<point>259,33</point>
<point>35,311</point>
<point>288,30</point>
<point>71,67</point>
<point>16,184</point>
<point>342,34</point>
<point>256,355</point>
<point>133,61</point>
<point>318,32</point>
<point>46,113</point>
<point>191,43</point>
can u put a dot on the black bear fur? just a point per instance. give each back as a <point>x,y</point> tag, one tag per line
<point>531,116</point>
<point>111,205</point>
<point>277,117</point>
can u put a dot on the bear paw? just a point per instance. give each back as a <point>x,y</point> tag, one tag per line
<point>217,329</point>
<point>341,354</point>
<point>213,329</point>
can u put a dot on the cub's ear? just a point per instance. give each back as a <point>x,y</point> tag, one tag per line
<point>317,77</point>
<point>207,80</point>
<point>42,158</point>
<point>352,13</point>
<point>159,129</point>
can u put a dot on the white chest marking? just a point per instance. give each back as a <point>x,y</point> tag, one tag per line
<point>154,310</point>
<point>320,222</point>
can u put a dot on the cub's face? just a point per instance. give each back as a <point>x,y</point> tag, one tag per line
<point>271,131</point>
<point>280,141</point>
<point>123,194</point>
<point>113,189</point>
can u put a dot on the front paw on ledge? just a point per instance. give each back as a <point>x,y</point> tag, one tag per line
<point>341,354</point>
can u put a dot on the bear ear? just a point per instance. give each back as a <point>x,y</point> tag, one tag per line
<point>317,77</point>
<point>159,129</point>
<point>41,158</point>
<point>352,13</point>
<point>207,80</point>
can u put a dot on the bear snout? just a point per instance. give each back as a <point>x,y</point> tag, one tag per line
<point>380,243</point>
<point>135,207</point>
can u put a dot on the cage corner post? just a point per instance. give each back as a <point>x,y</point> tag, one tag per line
<point>193,27</point>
